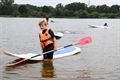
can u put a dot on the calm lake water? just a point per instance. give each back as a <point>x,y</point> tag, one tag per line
<point>99,60</point>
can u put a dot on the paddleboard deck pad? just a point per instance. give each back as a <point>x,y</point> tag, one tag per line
<point>67,51</point>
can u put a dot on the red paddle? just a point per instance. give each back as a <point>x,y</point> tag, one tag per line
<point>83,41</point>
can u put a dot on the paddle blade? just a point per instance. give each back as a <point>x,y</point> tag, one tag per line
<point>85,40</point>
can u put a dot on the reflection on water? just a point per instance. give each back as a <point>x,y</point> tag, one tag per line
<point>48,69</point>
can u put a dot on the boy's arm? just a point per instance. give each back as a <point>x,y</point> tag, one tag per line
<point>40,43</point>
<point>54,42</point>
<point>54,39</point>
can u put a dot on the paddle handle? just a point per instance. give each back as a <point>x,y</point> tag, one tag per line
<point>68,45</point>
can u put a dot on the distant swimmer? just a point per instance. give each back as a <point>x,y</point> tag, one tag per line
<point>47,18</point>
<point>106,24</point>
<point>52,21</point>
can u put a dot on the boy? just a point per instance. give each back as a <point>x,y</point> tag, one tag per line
<point>47,40</point>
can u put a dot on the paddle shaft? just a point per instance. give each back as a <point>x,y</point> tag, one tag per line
<point>82,41</point>
<point>53,50</point>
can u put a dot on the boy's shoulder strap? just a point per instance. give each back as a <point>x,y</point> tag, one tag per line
<point>48,29</point>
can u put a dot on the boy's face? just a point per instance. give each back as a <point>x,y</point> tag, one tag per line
<point>42,27</point>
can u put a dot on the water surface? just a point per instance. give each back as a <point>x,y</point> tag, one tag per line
<point>99,60</point>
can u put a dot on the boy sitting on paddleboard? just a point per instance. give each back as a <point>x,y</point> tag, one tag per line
<point>47,40</point>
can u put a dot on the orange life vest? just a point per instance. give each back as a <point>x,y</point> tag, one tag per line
<point>45,38</point>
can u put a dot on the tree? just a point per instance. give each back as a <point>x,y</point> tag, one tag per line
<point>0,8</point>
<point>68,13</point>
<point>91,9</point>
<point>102,9</point>
<point>7,7</point>
<point>76,6</point>
<point>83,14</point>
<point>7,2</point>
<point>75,9</point>
<point>94,15</point>
<point>115,8</point>
<point>23,10</point>
<point>15,10</point>
<point>46,9</point>
<point>33,11</point>
<point>59,10</point>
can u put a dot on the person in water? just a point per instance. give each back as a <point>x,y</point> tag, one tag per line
<point>47,18</point>
<point>106,24</point>
<point>47,40</point>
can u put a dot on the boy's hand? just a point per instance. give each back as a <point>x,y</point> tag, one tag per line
<point>55,48</point>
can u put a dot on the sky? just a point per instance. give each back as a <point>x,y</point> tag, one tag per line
<point>64,2</point>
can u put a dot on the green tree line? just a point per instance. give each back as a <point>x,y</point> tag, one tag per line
<point>72,10</point>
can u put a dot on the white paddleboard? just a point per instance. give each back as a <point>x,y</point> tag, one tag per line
<point>57,54</point>
<point>96,26</point>
<point>58,35</point>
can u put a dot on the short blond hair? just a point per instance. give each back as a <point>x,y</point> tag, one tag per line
<point>42,23</point>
